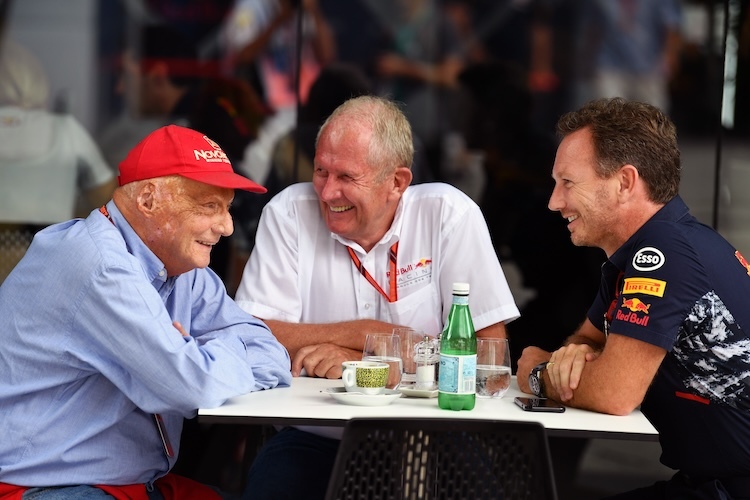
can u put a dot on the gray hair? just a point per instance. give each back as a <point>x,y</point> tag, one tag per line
<point>391,145</point>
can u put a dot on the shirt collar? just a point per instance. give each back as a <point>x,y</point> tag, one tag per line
<point>152,265</point>
<point>673,211</point>
<point>389,238</point>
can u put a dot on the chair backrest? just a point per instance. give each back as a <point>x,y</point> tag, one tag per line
<point>442,459</point>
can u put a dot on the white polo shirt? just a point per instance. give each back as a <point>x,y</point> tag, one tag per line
<point>300,272</point>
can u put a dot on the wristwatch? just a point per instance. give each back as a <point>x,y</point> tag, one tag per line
<point>536,381</point>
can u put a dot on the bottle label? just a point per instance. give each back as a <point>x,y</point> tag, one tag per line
<point>461,300</point>
<point>458,374</point>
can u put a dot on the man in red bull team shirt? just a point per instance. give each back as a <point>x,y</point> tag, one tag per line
<point>668,329</point>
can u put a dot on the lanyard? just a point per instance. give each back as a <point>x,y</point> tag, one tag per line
<point>166,443</point>
<point>392,255</point>
<point>609,315</point>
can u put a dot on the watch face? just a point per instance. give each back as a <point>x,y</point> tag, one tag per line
<point>534,383</point>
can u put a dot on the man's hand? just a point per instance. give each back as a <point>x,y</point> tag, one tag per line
<point>180,329</point>
<point>530,357</point>
<point>565,367</point>
<point>323,360</point>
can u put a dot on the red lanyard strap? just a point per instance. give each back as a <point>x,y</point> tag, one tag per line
<point>105,212</point>
<point>609,315</point>
<point>392,256</point>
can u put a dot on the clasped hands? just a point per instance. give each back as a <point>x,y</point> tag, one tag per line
<point>322,360</point>
<point>564,368</point>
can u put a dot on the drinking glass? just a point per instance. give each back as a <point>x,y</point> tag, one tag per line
<point>385,347</point>
<point>493,367</point>
<point>409,337</point>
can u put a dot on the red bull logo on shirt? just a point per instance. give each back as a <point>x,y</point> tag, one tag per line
<point>423,262</point>
<point>416,272</point>
<point>635,306</point>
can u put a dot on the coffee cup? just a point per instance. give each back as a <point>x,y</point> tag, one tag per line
<point>367,377</point>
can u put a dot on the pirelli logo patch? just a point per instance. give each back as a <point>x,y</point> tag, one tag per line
<point>646,286</point>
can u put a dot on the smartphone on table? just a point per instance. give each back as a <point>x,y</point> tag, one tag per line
<point>539,404</point>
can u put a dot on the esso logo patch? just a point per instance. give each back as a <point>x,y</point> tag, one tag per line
<point>648,259</point>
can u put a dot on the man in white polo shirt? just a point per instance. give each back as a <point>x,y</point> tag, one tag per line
<point>359,251</point>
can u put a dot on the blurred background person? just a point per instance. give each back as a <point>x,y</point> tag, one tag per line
<point>158,83</point>
<point>517,157</point>
<point>164,81</point>
<point>628,48</point>
<point>335,84</point>
<point>261,41</point>
<point>47,160</point>
<point>553,279</point>
<point>418,61</point>
<point>524,33</point>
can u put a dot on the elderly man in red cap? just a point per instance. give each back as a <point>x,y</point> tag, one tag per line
<point>114,331</point>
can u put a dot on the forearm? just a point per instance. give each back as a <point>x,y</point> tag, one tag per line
<point>589,395</point>
<point>587,334</point>
<point>608,381</point>
<point>349,334</point>
<point>584,340</point>
<point>594,393</point>
<point>493,331</point>
<point>249,52</point>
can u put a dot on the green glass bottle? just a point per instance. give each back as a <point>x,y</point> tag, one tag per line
<point>458,355</point>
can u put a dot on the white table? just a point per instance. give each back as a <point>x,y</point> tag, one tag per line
<point>306,403</point>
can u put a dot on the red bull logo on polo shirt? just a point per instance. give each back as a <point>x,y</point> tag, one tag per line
<point>635,306</point>
<point>414,273</point>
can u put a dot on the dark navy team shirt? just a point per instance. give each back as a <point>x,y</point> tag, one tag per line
<point>679,285</point>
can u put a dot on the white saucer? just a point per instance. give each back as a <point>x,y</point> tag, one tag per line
<point>341,395</point>
<point>412,392</point>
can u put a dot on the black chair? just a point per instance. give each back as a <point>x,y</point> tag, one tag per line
<point>442,459</point>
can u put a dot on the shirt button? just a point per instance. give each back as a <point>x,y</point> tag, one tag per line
<point>161,273</point>
<point>367,306</point>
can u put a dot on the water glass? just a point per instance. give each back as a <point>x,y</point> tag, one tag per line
<point>409,337</point>
<point>386,348</point>
<point>493,367</point>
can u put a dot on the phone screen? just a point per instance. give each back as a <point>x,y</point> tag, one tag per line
<point>539,404</point>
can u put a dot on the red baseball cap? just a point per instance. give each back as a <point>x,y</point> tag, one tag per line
<point>175,150</point>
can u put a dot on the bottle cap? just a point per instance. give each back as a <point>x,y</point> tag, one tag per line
<point>460,289</point>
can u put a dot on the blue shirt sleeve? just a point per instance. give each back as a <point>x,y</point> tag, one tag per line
<point>128,336</point>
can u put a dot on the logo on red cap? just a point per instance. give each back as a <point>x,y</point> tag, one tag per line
<point>211,156</point>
